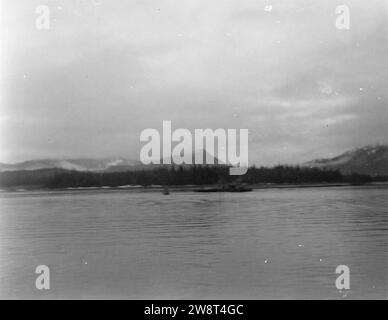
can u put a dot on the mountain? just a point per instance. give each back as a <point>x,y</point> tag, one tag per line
<point>370,160</point>
<point>86,164</point>
<point>83,164</point>
<point>207,158</point>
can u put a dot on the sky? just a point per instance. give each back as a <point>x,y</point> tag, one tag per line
<point>106,70</point>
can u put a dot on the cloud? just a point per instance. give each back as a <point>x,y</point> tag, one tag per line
<point>107,70</point>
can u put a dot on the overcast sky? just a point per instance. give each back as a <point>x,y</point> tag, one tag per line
<point>106,70</point>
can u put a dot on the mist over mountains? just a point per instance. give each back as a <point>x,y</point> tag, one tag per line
<point>82,164</point>
<point>101,165</point>
<point>369,160</point>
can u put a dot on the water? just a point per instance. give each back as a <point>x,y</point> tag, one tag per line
<point>274,243</point>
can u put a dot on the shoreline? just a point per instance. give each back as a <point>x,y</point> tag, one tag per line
<point>190,188</point>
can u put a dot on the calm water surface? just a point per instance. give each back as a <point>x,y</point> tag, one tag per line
<point>275,243</point>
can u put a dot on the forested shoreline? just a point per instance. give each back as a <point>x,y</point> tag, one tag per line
<point>176,175</point>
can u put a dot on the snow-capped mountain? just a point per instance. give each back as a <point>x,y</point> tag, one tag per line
<point>83,164</point>
<point>103,165</point>
<point>371,160</point>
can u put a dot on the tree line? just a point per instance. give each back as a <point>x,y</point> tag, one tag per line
<point>174,175</point>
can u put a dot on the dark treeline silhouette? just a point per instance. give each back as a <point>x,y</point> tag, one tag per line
<point>174,175</point>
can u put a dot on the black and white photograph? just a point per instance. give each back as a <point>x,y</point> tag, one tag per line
<point>194,150</point>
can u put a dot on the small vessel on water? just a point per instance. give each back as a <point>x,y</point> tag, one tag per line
<point>230,187</point>
<point>166,191</point>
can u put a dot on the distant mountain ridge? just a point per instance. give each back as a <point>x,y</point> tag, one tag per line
<point>370,160</point>
<point>82,164</point>
<point>207,158</point>
<point>103,165</point>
